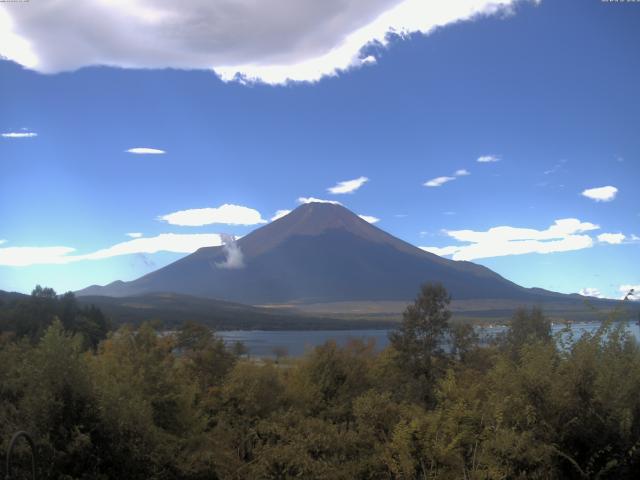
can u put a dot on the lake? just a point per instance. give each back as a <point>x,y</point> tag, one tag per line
<point>261,343</point>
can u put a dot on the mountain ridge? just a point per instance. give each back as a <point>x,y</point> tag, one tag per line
<point>320,252</point>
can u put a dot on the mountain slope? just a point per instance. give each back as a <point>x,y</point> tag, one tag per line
<point>319,253</point>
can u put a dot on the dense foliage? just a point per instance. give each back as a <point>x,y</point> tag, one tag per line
<point>144,405</point>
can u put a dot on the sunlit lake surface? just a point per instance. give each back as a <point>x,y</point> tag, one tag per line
<point>261,343</point>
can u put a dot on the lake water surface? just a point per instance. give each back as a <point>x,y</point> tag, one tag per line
<point>261,343</point>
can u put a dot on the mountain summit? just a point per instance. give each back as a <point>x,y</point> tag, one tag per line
<point>320,252</point>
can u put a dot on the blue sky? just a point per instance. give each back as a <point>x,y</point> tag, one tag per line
<point>548,90</point>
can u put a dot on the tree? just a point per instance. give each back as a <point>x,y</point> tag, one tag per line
<point>464,340</point>
<point>527,327</point>
<point>206,356</point>
<point>421,335</point>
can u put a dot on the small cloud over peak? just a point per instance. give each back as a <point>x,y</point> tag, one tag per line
<point>19,135</point>
<point>488,159</point>
<point>146,151</point>
<point>369,218</point>
<point>304,200</point>
<point>348,186</point>
<point>601,194</point>
<point>438,181</point>
<point>235,257</point>
<point>280,214</point>
<point>134,234</point>
<point>612,238</point>
<point>228,214</point>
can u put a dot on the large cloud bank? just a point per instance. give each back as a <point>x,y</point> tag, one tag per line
<point>272,41</point>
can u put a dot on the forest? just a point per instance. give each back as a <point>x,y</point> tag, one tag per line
<point>136,403</point>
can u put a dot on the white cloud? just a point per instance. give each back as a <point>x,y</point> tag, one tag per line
<point>601,194</point>
<point>613,238</point>
<point>462,172</point>
<point>2,241</point>
<point>134,234</point>
<point>273,42</point>
<point>564,235</point>
<point>24,256</point>
<point>488,159</point>
<point>348,186</point>
<point>166,242</point>
<point>235,258</point>
<point>625,289</point>
<point>369,218</point>
<point>634,237</point>
<point>438,181</point>
<point>228,214</point>
<point>146,151</point>
<point>19,135</point>
<point>316,200</point>
<point>591,292</point>
<point>280,214</point>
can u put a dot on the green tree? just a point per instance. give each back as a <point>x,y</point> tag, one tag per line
<point>420,338</point>
<point>527,327</point>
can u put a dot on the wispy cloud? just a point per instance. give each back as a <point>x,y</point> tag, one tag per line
<point>369,218</point>
<point>253,41</point>
<point>304,200</point>
<point>564,235</point>
<point>134,234</point>
<point>438,181</point>
<point>601,194</point>
<point>166,242</point>
<point>613,238</point>
<point>555,168</point>
<point>228,214</point>
<point>19,135</point>
<point>146,151</point>
<point>488,159</point>
<point>280,214</point>
<point>348,186</point>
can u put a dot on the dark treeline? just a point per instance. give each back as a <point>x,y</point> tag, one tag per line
<point>141,405</point>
